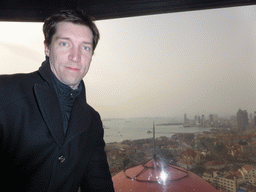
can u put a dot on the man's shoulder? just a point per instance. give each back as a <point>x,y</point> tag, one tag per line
<point>95,116</point>
<point>15,86</point>
<point>17,79</point>
<point>93,112</point>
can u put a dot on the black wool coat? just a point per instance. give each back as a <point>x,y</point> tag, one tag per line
<point>35,154</point>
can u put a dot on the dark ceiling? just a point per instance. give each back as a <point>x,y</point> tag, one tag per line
<point>38,10</point>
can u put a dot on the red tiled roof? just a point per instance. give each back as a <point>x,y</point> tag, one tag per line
<point>248,167</point>
<point>230,177</point>
<point>210,170</point>
<point>185,162</point>
<point>213,163</point>
<point>148,178</point>
<point>189,152</point>
<point>236,173</point>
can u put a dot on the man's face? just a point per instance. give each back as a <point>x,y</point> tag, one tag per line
<point>70,52</point>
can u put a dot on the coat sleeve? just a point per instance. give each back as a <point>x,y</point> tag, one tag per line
<point>97,178</point>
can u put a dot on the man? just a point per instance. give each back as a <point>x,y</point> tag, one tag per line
<point>51,139</point>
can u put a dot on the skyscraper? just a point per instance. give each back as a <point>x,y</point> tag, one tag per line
<point>198,120</point>
<point>242,119</point>
<point>250,119</point>
<point>254,118</point>
<point>203,120</point>
<point>185,118</point>
<point>211,119</point>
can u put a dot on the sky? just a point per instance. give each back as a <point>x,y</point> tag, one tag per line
<point>198,62</point>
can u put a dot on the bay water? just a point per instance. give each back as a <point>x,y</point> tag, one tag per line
<point>118,130</point>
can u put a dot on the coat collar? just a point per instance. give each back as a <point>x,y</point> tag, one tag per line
<point>45,72</point>
<point>80,118</point>
<point>50,109</point>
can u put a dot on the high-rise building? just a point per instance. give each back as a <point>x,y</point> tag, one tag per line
<point>215,118</point>
<point>185,118</point>
<point>203,120</point>
<point>211,119</point>
<point>254,118</point>
<point>242,119</point>
<point>198,120</point>
<point>250,119</point>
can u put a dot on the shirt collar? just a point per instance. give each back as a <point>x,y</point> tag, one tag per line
<point>46,73</point>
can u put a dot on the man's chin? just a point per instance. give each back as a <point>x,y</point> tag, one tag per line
<point>72,84</point>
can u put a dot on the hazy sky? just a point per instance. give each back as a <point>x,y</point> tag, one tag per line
<point>197,62</point>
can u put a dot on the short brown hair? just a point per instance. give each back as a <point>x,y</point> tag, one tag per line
<point>76,17</point>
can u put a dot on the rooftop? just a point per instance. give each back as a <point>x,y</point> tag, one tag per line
<point>248,167</point>
<point>158,176</point>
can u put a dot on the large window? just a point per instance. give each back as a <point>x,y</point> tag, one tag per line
<point>191,75</point>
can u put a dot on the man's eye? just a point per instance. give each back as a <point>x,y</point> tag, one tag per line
<point>86,48</point>
<point>63,44</point>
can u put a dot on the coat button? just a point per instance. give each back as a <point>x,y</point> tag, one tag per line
<point>61,159</point>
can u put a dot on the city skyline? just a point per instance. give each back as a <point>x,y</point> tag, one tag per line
<point>253,113</point>
<point>159,65</point>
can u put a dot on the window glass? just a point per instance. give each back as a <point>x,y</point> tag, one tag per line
<point>188,78</point>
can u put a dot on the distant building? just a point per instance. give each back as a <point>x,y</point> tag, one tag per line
<point>242,119</point>
<point>250,119</point>
<point>254,118</point>
<point>211,119</point>
<point>185,119</point>
<point>224,181</point>
<point>214,165</point>
<point>189,158</point>
<point>215,118</point>
<point>252,181</point>
<point>198,120</point>
<point>203,121</point>
<point>248,173</point>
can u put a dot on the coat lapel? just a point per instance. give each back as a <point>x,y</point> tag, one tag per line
<point>49,106</point>
<point>80,118</point>
<point>48,103</point>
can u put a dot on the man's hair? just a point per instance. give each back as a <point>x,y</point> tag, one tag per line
<point>72,16</point>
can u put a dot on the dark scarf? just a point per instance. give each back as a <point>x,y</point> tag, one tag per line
<point>66,96</point>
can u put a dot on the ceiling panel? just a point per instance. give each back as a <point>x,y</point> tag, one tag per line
<point>35,10</point>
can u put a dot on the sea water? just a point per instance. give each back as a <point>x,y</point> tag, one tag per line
<point>118,130</point>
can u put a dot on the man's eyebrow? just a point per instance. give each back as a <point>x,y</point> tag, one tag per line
<point>86,42</point>
<point>66,38</point>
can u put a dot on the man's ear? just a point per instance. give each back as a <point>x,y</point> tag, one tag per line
<point>46,49</point>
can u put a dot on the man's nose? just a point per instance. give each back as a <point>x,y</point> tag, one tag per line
<point>75,55</point>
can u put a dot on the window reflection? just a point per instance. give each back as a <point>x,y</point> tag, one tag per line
<point>191,73</point>
<point>212,135</point>
<point>221,153</point>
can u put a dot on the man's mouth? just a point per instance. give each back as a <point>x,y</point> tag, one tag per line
<point>72,69</point>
